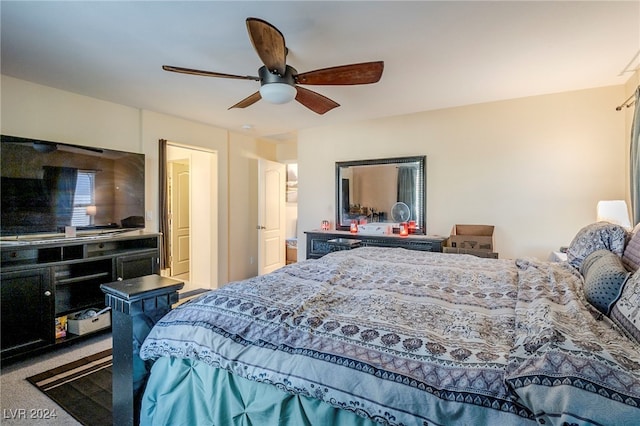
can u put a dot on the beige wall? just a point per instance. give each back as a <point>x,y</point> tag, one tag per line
<point>35,111</point>
<point>533,167</point>
<point>243,205</point>
<point>287,152</point>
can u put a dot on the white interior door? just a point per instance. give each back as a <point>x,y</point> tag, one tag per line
<point>180,219</point>
<point>271,215</point>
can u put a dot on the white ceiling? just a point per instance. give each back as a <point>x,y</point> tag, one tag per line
<point>436,54</point>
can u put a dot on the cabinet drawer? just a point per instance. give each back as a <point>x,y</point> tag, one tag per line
<point>318,248</point>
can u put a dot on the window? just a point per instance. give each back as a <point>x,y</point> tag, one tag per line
<point>83,198</point>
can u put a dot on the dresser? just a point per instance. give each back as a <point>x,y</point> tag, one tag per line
<point>319,242</point>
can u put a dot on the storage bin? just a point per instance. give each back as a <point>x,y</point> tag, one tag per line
<point>78,326</point>
<point>472,237</point>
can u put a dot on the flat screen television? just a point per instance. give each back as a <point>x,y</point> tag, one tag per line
<point>48,186</point>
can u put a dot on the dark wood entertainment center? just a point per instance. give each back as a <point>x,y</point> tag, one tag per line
<point>48,278</point>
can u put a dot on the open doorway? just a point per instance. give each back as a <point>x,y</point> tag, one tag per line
<point>192,210</point>
<point>291,235</point>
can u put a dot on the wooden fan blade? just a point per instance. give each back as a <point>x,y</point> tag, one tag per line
<point>208,73</point>
<point>269,43</point>
<point>315,101</point>
<point>249,100</point>
<point>363,73</point>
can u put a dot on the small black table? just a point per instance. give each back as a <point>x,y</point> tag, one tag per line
<point>137,304</point>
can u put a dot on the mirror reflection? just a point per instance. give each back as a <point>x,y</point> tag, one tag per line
<point>390,190</point>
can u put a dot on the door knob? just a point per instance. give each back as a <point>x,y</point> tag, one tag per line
<point>261,227</point>
<point>47,293</point>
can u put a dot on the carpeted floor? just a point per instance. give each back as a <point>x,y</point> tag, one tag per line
<point>20,399</point>
<point>82,388</point>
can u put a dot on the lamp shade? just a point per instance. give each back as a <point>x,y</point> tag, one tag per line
<point>91,210</point>
<point>277,93</point>
<point>613,211</point>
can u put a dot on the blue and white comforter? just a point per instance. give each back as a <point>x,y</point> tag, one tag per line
<point>406,337</point>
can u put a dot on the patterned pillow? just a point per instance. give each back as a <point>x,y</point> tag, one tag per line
<point>604,276</point>
<point>626,311</point>
<point>597,236</point>
<point>631,255</point>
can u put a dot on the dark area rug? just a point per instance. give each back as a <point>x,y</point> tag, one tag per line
<point>82,388</point>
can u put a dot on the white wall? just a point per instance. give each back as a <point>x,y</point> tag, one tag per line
<point>533,167</point>
<point>288,153</point>
<point>291,227</point>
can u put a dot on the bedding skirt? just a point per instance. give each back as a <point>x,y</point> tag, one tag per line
<point>192,393</point>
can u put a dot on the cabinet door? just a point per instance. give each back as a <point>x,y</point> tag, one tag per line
<point>137,265</point>
<point>317,245</point>
<point>27,310</point>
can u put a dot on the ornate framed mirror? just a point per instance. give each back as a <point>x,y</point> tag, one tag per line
<point>390,190</point>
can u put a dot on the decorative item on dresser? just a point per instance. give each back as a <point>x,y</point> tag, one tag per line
<point>319,242</point>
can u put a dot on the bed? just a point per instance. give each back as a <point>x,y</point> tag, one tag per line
<point>400,337</point>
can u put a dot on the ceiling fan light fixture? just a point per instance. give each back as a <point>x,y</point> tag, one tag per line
<point>279,82</point>
<point>278,93</point>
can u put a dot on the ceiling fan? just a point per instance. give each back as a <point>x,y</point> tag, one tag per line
<point>280,83</point>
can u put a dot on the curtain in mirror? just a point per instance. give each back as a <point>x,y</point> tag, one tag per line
<point>407,188</point>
